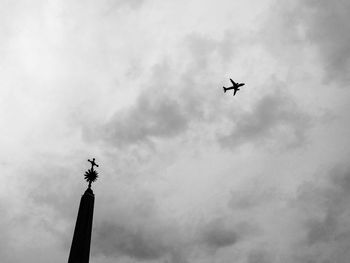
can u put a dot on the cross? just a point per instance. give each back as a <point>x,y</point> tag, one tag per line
<point>93,163</point>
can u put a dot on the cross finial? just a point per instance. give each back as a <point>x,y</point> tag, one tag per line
<point>91,175</point>
<point>93,163</point>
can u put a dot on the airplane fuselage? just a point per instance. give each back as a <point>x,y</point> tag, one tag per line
<point>235,86</point>
<point>232,87</point>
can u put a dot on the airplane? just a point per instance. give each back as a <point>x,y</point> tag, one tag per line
<point>234,86</point>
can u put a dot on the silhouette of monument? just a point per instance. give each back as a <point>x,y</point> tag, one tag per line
<point>80,249</point>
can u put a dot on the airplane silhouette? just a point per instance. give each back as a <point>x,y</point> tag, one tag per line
<point>235,86</point>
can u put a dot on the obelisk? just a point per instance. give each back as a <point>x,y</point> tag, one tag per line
<point>80,249</point>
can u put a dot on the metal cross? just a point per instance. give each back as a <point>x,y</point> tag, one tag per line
<point>93,163</point>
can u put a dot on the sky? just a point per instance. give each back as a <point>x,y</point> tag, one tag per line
<point>187,173</point>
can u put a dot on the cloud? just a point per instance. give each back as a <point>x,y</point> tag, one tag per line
<point>136,242</point>
<point>259,256</point>
<point>218,233</point>
<point>324,214</point>
<point>155,239</point>
<point>140,237</point>
<point>252,196</point>
<point>139,230</point>
<point>147,120</point>
<point>327,26</point>
<point>274,118</point>
<point>134,228</point>
<point>6,225</point>
<point>301,27</point>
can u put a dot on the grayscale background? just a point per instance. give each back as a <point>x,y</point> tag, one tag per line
<point>187,173</point>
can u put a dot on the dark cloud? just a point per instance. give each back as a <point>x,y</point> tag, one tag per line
<point>260,256</point>
<point>316,221</point>
<point>119,240</point>
<point>148,119</point>
<point>154,239</point>
<point>252,196</point>
<point>6,228</point>
<point>274,118</point>
<point>320,231</point>
<point>219,233</point>
<point>327,26</point>
<point>324,25</point>
<point>151,239</point>
<point>136,230</point>
<point>323,207</point>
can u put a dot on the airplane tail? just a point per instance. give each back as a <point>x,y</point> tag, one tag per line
<point>224,89</point>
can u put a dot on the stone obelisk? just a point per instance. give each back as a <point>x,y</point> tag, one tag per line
<point>80,249</point>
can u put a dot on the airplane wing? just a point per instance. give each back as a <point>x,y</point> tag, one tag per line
<point>234,93</point>
<point>233,83</point>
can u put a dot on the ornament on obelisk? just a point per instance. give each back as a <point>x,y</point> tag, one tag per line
<point>91,175</point>
<point>80,249</point>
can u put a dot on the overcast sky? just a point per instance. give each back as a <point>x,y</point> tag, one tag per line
<point>187,173</point>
